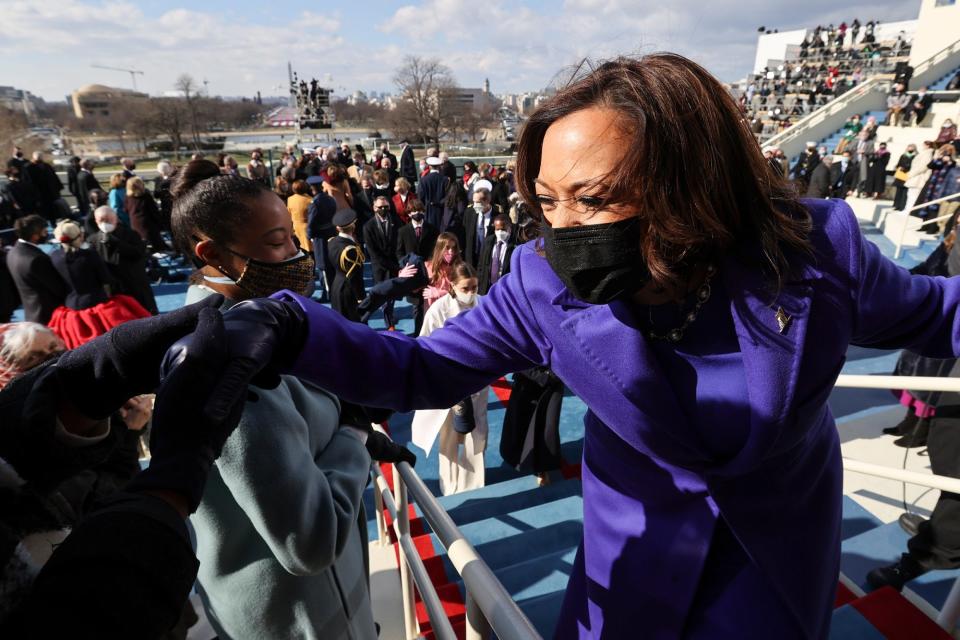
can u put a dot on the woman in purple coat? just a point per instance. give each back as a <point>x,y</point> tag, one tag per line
<point>702,313</point>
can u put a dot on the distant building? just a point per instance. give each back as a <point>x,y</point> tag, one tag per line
<point>20,101</point>
<point>97,100</point>
<point>468,98</point>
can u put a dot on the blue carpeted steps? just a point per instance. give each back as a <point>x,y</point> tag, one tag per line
<point>941,84</point>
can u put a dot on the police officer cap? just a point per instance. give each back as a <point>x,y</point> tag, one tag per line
<point>434,161</point>
<point>315,180</point>
<point>345,217</point>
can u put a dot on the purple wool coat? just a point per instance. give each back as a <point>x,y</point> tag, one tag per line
<point>652,492</point>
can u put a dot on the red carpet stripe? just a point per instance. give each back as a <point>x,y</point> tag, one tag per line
<point>844,596</point>
<point>896,618</point>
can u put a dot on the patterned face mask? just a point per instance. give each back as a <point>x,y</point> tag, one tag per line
<point>261,279</point>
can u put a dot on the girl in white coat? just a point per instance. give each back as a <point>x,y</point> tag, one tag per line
<point>462,428</point>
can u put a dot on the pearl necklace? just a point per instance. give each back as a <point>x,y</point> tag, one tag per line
<point>675,335</point>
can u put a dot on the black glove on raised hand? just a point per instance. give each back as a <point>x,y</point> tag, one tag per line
<point>264,336</point>
<point>383,449</point>
<point>99,376</point>
<point>198,406</point>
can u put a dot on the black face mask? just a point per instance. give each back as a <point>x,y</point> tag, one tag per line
<point>598,262</point>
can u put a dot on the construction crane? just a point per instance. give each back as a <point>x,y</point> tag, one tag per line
<point>133,72</point>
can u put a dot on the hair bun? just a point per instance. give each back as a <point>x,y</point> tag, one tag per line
<point>195,172</point>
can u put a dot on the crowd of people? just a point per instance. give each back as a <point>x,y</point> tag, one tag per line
<point>321,218</point>
<point>830,61</point>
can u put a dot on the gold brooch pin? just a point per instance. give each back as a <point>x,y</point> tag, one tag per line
<point>783,320</point>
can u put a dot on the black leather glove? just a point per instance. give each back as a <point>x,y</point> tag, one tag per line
<point>361,416</point>
<point>99,376</point>
<point>198,406</point>
<point>264,336</point>
<point>383,449</point>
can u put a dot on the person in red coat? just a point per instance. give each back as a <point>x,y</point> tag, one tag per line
<point>402,199</point>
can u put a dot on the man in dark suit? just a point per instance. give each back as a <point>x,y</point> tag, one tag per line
<point>380,239</point>
<point>47,184</point>
<point>432,191</point>
<point>844,176</point>
<point>921,105</point>
<point>408,165</point>
<point>478,225</point>
<point>40,286</point>
<point>820,179</point>
<point>495,257</point>
<point>86,182</point>
<point>385,153</point>
<point>807,163</point>
<point>129,167</point>
<point>419,237</point>
<point>447,168</point>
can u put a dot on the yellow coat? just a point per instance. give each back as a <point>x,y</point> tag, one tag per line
<point>298,205</point>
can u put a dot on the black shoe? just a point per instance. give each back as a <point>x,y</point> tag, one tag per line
<point>910,522</point>
<point>905,426</point>
<point>896,575</point>
<point>917,437</point>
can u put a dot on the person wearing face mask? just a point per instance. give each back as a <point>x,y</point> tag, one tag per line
<point>497,251</point>
<point>125,254</point>
<point>702,312</point>
<point>40,286</point>
<point>256,169</point>
<point>446,257</point>
<point>478,225</point>
<point>346,257</point>
<point>462,428</point>
<point>280,548</point>
<point>432,191</point>
<point>381,240</point>
<point>89,309</point>
<point>418,237</point>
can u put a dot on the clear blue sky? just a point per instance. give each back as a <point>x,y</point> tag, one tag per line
<point>242,46</point>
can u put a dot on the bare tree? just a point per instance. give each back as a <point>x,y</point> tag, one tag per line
<point>423,84</point>
<point>170,116</point>
<point>186,85</point>
<point>13,128</point>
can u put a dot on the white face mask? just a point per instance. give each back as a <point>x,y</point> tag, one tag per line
<point>501,235</point>
<point>107,227</point>
<point>478,207</point>
<point>466,299</point>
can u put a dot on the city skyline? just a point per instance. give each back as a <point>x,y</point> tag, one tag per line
<point>242,47</point>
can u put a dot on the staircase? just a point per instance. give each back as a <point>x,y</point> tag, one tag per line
<point>943,81</point>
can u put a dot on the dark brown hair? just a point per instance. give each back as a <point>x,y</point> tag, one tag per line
<point>693,169</point>
<point>461,270</point>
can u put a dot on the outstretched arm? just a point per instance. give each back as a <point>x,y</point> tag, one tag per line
<point>394,371</point>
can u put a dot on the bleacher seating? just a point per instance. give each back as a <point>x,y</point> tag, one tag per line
<point>805,81</point>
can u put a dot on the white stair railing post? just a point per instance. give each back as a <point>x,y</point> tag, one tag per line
<point>950,612</point>
<point>406,578</point>
<point>382,534</point>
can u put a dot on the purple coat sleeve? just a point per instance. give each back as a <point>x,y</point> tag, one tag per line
<point>384,369</point>
<point>894,309</point>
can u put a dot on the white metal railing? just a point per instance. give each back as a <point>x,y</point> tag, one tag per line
<point>949,613</point>
<point>489,607</point>
<point>921,222</point>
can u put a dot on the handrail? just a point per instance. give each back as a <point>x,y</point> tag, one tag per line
<point>505,617</point>
<point>931,60</point>
<point>488,604</point>
<point>944,483</point>
<point>917,383</point>
<point>438,618</point>
<point>903,229</point>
